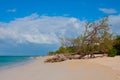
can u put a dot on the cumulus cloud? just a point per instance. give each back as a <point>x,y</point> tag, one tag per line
<point>11,10</point>
<point>46,29</point>
<point>40,29</point>
<point>108,10</point>
<point>114,20</point>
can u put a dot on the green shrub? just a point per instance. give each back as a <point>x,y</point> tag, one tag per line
<point>52,53</point>
<point>62,50</point>
<point>112,52</point>
<point>71,49</point>
<point>117,44</point>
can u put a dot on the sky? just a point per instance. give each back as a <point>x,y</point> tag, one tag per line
<point>33,27</point>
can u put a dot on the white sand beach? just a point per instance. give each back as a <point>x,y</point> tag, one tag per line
<point>105,68</point>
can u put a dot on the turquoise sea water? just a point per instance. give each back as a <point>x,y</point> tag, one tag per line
<point>6,61</point>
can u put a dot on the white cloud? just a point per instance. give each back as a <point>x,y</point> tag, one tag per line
<point>40,29</point>
<point>114,20</point>
<point>108,10</point>
<point>11,10</point>
<point>46,29</point>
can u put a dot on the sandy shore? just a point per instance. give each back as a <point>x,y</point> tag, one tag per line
<point>88,69</point>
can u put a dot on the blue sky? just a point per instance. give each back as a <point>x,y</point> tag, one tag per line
<point>83,9</point>
<point>27,25</point>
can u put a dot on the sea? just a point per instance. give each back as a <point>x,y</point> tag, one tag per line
<point>7,62</point>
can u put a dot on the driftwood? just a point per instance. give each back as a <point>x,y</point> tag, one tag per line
<point>62,57</point>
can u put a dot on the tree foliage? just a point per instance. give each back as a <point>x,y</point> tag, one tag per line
<point>117,44</point>
<point>95,39</point>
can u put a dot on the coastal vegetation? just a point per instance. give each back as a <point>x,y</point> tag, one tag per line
<point>117,44</point>
<point>96,39</point>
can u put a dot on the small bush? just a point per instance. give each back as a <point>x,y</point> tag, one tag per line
<point>52,53</point>
<point>117,44</point>
<point>112,52</point>
<point>71,49</point>
<point>62,50</point>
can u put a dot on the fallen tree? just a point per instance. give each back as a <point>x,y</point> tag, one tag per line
<point>95,39</point>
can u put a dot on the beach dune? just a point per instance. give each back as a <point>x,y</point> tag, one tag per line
<point>85,69</point>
